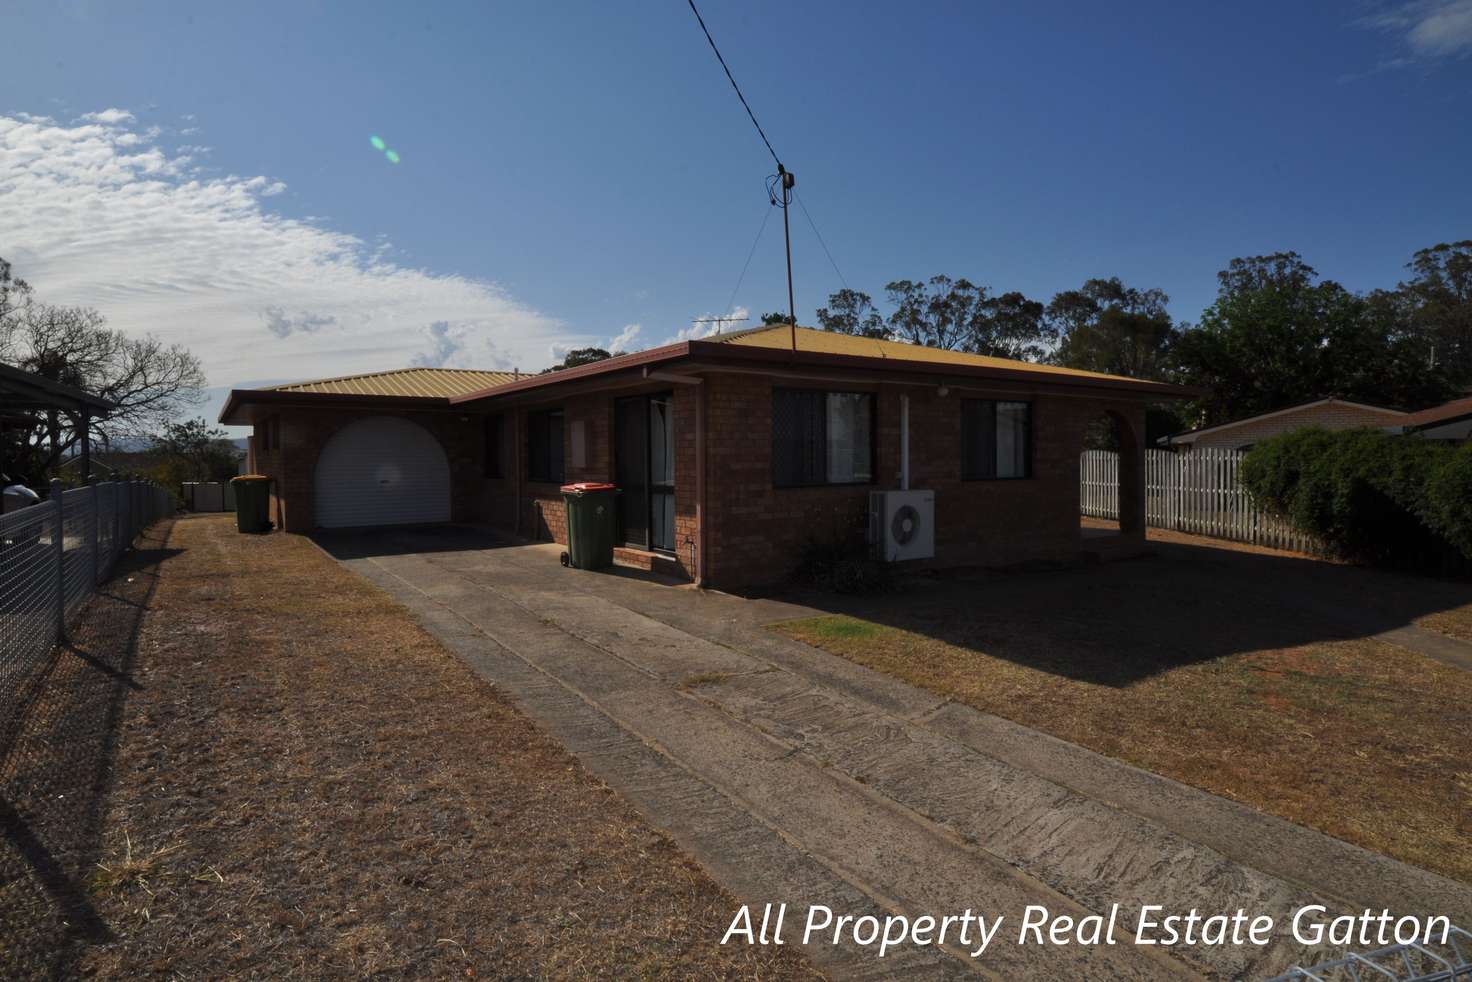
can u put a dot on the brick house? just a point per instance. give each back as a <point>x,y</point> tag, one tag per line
<point>732,453</point>
<point>1451,421</point>
<point>1329,414</point>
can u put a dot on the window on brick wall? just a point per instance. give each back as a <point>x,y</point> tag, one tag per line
<point>996,440</point>
<point>822,437</point>
<point>495,434</point>
<point>544,446</point>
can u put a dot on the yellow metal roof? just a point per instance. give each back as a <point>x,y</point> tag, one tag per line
<point>779,336</point>
<point>431,382</point>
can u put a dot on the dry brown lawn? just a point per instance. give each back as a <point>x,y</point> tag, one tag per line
<point>307,784</point>
<point>1223,669</point>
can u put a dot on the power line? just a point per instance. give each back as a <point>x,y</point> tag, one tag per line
<point>766,214</point>
<point>814,225</point>
<point>734,85</point>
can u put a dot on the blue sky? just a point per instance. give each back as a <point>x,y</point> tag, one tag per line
<point>582,173</point>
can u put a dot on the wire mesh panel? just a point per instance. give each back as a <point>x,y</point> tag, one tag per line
<point>78,522</point>
<point>50,566</point>
<point>106,547</point>
<point>1439,959</point>
<point>28,588</point>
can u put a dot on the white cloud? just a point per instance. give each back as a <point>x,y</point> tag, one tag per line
<point>624,340</point>
<point>1428,29</point>
<point>96,212</point>
<point>110,117</point>
<point>621,343</point>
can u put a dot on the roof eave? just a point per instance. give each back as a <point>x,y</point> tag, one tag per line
<point>607,366</point>
<point>736,352</point>
<point>238,399</point>
<point>1443,421</point>
<point>718,351</point>
<point>56,390</point>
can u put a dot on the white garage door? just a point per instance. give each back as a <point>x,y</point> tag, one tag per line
<point>382,471</point>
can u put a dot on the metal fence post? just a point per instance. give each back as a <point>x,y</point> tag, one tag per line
<point>58,551</point>
<point>117,525</point>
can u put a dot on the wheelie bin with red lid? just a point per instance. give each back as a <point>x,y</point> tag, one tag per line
<point>592,523</point>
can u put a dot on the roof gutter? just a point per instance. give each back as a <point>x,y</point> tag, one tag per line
<point>718,351</point>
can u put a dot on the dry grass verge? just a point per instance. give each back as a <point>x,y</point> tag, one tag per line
<point>1213,669</point>
<point>307,784</point>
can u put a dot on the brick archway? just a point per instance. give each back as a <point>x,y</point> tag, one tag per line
<point>1127,472</point>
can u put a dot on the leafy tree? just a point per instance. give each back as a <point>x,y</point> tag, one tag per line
<point>945,313</point>
<point>579,356</point>
<point>150,382</point>
<point>13,292</point>
<point>936,313</point>
<point>1105,326</point>
<point>1439,305</point>
<point>1008,326</point>
<point>851,312</point>
<point>1277,336</point>
<point>584,356</point>
<point>776,318</point>
<point>195,451</point>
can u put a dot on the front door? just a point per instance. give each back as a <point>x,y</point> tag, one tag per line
<point>644,467</point>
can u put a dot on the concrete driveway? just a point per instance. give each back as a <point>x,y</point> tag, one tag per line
<point>798,777</point>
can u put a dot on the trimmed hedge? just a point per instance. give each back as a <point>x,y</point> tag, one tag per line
<point>1367,494</point>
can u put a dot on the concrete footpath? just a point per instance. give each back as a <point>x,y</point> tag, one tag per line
<point>795,776</point>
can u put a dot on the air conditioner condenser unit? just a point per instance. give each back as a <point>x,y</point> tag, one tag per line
<point>902,524</point>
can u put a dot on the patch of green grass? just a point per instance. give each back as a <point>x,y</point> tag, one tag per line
<point>704,678</point>
<point>834,627</point>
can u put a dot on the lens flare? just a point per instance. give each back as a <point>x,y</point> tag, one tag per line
<point>392,155</point>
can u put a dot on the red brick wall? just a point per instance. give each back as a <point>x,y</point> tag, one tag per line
<point>304,432</point>
<point>757,533</point>
<point>540,507</point>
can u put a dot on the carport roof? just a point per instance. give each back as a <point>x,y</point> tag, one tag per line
<point>405,388</point>
<point>421,382</point>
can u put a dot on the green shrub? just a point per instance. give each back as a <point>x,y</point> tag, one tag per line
<point>1368,494</point>
<point>1449,500</point>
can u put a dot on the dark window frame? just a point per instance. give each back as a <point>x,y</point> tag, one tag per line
<point>556,471</point>
<point>872,397</point>
<point>1028,471</point>
<point>494,442</point>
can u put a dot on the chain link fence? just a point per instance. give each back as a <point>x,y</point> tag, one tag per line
<point>52,557</point>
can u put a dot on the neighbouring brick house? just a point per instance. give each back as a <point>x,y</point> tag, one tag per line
<point>1329,414</point>
<point>1451,421</point>
<point>733,452</point>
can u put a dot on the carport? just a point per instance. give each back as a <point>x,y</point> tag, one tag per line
<point>383,449</point>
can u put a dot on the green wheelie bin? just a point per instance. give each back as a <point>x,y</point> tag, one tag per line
<point>592,523</point>
<point>252,502</point>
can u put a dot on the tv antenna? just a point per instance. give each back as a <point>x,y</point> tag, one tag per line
<point>720,322</point>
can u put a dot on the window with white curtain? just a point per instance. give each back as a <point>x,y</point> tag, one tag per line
<point>822,437</point>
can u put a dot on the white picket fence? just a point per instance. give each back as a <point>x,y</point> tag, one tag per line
<point>1194,492</point>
